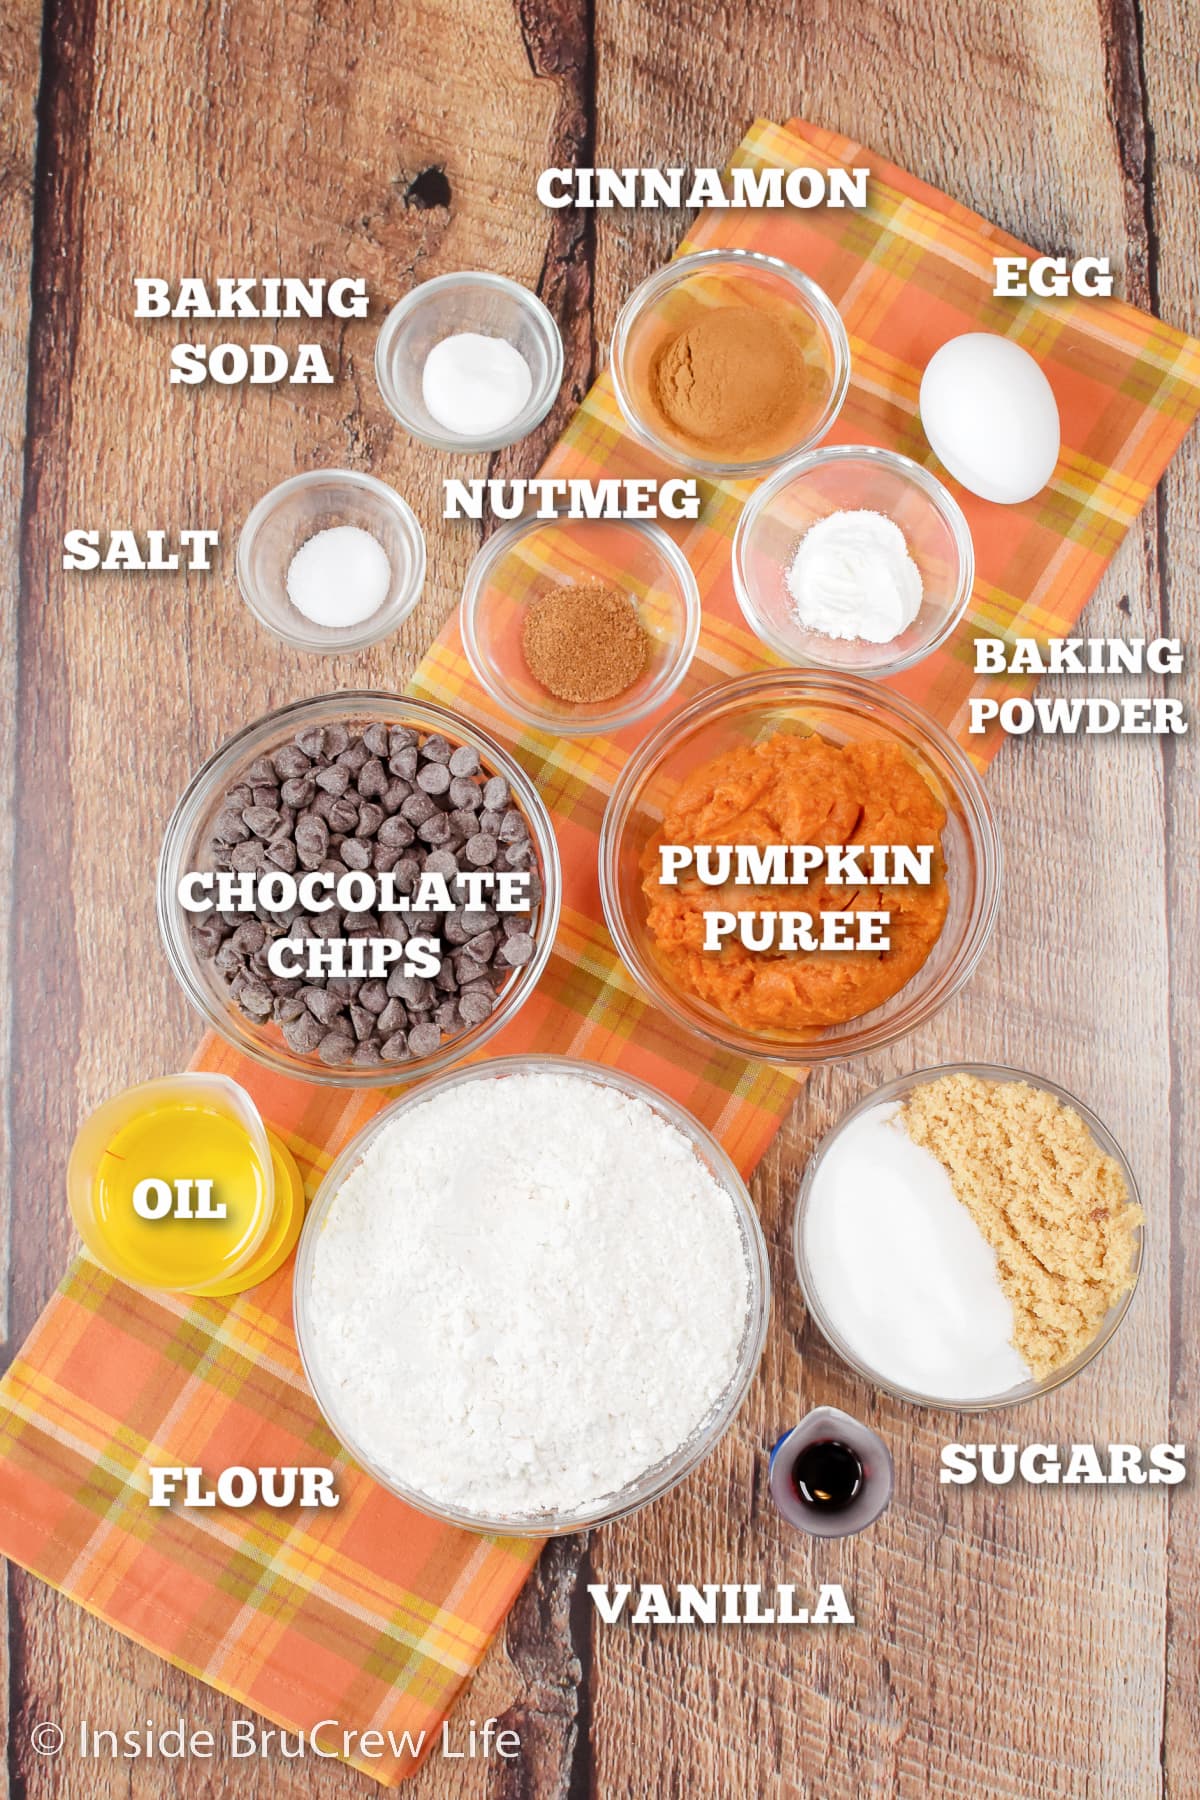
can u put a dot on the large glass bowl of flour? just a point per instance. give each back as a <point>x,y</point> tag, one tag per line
<point>538,1329</point>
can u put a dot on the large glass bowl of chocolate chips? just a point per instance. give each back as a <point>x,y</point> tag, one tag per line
<point>359,889</point>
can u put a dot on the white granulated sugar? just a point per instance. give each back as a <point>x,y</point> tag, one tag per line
<point>527,1293</point>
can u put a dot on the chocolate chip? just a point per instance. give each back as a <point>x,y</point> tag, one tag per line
<point>335,779</point>
<point>229,827</point>
<point>403,763</point>
<point>518,950</point>
<point>418,807</point>
<point>343,814</point>
<point>303,1034</point>
<point>396,833</point>
<point>394,1017</point>
<point>335,1048</point>
<point>441,862</point>
<point>436,749</point>
<point>475,1008</point>
<point>372,779</point>
<point>263,821</point>
<point>496,793</point>
<point>481,849</point>
<point>434,778</point>
<point>260,770</point>
<point>290,762</point>
<point>424,1039</point>
<point>435,829</point>
<point>395,1048</point>
<point>298,791</point>
<point>370,818</point>
<point>375,737</point>
<point>311,741</point>
<point>465,760</point>
<point>465,793</point>
<point>355,853</point>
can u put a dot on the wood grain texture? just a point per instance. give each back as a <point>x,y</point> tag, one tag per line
<point>1009,1645</point>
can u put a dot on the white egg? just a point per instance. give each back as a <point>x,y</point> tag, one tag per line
<point>991,416</point>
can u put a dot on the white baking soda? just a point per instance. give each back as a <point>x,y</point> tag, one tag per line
<point>901,1270</point>
<point>526,1294</point>
<point>474,385</point>
<point>339,577</point>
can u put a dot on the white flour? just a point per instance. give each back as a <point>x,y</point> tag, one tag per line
<point>527,1293</point>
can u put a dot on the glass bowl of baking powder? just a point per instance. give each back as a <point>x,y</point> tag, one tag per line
<point>824,606</point>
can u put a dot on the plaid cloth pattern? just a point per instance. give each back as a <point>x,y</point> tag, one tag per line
<point>372,1614</point>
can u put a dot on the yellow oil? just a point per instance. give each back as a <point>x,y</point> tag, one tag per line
<point>178,1140</point>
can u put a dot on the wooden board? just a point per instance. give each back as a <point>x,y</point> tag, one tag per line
<point>1016,1644</point>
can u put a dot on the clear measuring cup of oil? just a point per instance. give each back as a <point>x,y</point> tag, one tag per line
<point>177,1185</point>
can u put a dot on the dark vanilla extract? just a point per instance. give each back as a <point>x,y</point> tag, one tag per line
<point>827,1475</point>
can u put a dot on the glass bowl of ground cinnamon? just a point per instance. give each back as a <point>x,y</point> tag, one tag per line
<point>727,362</point>
<point>580,626</point>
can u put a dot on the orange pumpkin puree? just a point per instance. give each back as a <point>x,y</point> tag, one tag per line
<point>798,790</point>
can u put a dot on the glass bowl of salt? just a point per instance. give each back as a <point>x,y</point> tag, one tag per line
<point>469,361</point>
<point>331,561</point>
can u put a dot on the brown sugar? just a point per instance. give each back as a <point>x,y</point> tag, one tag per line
<point>732,381</point>
<point>584,643</point>
<point>1052,1205</point>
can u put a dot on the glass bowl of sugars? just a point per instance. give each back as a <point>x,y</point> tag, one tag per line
<point>359,889</point>
<point>580,626</point>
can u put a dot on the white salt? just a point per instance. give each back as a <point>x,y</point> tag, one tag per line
<point>473,385</point>
<point>339,577</point>
<point>901,1270</point>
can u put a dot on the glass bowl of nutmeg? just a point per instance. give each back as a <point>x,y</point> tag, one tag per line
<point>580,627</point>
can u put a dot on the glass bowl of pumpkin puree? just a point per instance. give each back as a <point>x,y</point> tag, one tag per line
<point>727,361</point>
<point>815,816</point>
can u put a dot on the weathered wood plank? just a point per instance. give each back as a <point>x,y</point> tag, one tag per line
<point>20,67</point>
<point>1167,67</point>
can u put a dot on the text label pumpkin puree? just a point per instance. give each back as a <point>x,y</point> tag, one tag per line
<point>798,790</point>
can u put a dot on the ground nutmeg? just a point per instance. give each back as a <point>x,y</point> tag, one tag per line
<point>584,642</point>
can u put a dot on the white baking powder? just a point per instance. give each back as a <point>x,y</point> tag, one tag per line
<point>339,577</point>
<point>475,385</point>
<point>901,1270</point>
<point>852,577</point>
<point>527,1293</point>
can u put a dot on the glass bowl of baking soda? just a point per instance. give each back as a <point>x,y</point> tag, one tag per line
<point>855,558</point>
<point>469,361</point>
<point>331,560</point>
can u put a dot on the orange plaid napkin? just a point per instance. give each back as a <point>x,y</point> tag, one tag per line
<point>373,1615</point>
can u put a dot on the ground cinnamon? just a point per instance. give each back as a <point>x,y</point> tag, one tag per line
<point>731,381</point>
<point>585,642</point>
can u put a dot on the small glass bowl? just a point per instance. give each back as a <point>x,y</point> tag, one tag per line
<point>852,478</point>
<point>185,848</point>
<point>669,300</point>
<point>899,1091</point>
<point>664,1475</point>
<point>491,305</point>
<point>522,560</point>
<point>295,511</point>
<point>841,709</point>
